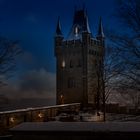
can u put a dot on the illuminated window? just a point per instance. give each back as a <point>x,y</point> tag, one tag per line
<point>76,31</point>
<point>63,64</point>
<point>61,99</point>
<point>61,96</point>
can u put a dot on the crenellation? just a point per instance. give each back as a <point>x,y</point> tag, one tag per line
<point>96,42</point>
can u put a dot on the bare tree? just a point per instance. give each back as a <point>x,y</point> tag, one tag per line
<point>127,43</point>
<point>109,72</point>
<point>106,70</point>
<point>9,50</point>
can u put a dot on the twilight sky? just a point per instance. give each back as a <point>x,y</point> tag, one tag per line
<point>33,23</point>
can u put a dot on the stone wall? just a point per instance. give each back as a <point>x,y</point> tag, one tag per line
<point>9,119</point>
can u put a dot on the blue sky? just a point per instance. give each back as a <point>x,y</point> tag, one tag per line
<point>33,23</point>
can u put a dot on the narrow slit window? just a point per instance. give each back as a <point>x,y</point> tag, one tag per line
<point>71,64</point>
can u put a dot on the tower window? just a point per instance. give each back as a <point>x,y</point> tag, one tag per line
<point>63,65</point>
<point>76,30</point>
<point>79,63</point>
<point>71,83</point>
<point>71,64</point>
<point>96,63</point>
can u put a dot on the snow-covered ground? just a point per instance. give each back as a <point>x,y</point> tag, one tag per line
<point>110,117</point>
<point>122,117</point>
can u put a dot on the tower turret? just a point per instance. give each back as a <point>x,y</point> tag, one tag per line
<point>86,24</point>
<point>100,29</point>
<point>58,37</point>
<point>58,28</point>
<point>100,34</point>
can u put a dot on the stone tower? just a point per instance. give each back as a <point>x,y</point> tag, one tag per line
<point>79,62</point>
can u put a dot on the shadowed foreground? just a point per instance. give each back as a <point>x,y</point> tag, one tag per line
<point>76,130</point>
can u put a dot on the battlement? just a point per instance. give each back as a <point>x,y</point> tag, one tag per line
<point>78,42</point>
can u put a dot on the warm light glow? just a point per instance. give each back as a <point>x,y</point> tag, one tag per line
<point>61,96</point>
<point>12,119</point>
<point>62,99</point>
<point>76,30</point>
<point>63,64</point>
<point>40,115</point>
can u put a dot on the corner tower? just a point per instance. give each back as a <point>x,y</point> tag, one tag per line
<point>78,57</point>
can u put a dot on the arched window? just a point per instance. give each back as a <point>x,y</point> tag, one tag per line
<point>71,64</point>
<point>96,63</point>
<point>71,83</point>
<point>76,30</point>
<point>79,63</point>
<point>63,64</point>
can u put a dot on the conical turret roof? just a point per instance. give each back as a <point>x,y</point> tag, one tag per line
<point>100,29</point>
<point>58,28</point>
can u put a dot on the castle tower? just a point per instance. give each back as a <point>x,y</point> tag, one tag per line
<point>79,57</point>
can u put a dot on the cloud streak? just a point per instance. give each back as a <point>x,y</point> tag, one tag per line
<point>33,84</point>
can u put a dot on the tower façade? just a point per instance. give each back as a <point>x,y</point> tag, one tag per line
<point>79,62</point>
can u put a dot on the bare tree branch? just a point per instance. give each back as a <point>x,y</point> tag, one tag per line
<point>127,44</point>
<point>9,50</point>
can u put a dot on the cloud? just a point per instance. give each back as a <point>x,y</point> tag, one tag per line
<point>27,57</point>
<point>33,84</point>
